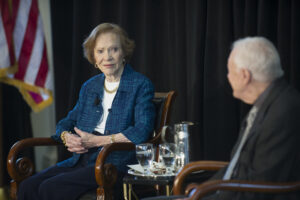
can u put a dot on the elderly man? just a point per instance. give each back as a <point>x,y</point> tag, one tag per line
<point>268,147</point>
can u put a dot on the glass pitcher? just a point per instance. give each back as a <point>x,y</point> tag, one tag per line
<point>179,134</point>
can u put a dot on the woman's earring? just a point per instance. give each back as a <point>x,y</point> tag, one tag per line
<point>124,61</point>
<point>96,66</point>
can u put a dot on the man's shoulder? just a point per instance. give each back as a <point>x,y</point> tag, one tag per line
<point>290,97</point>
<point>284,95</point>
<point>284,108</point>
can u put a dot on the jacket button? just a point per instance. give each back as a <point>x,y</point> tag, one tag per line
<point>106,132</point>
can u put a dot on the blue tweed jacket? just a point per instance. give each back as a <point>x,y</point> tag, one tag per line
<point>132,113</point>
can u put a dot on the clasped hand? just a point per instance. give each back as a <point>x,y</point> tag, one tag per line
<point>81,142</point>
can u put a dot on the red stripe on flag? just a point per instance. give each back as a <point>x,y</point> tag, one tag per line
<point>28,41</point>
<point>43,69</point>
<point>15,8</point>
<point>8,28</point>
<point>36,97</point>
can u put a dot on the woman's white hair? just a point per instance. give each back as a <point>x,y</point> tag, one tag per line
<point>259,56</point>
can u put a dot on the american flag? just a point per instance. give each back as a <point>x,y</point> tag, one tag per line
<point>7,59</point>
<point>33,77</point>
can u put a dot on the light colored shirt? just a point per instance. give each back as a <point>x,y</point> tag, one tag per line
<point>106,104</point>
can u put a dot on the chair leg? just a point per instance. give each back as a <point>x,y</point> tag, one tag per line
<point>100,194</point>
<point>103,194</point>
<point>13,190</point>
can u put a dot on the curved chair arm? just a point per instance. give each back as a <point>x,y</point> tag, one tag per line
<point>19,169</point>
<point>106,174</point>
<point>193,167</point>
<point>244,186</point>
<point>190,187</point>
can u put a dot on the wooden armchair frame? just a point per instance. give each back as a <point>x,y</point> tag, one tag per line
<point>105,174</point>
<point>233,185</point>
<point>244,186</point>
<point>194,167</point>
<point>21,168</point>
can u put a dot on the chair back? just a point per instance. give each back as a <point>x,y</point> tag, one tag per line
<point>163,102</point>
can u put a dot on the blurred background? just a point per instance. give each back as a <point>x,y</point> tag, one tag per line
<point>181,45</point>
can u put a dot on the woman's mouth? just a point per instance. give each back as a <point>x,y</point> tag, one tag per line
<point>108,65</point>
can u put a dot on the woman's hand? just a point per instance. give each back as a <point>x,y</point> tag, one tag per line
<point>87,140</point>
<point>74,144</point>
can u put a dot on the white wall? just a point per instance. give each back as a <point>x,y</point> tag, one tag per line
<point>43,123</point>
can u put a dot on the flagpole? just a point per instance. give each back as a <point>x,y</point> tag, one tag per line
<point>3,194</point>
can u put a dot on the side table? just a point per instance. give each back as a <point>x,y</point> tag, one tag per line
<point>158,181</point>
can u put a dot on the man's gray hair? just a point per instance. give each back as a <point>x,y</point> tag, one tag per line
<point>259,56</point>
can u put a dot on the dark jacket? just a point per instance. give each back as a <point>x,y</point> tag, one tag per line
<point>272,151</point>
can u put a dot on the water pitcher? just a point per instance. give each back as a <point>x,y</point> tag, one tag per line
<point>179,134</point>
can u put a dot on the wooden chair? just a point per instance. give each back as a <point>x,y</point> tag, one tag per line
<point>233,185</point>
<point>105,174</point>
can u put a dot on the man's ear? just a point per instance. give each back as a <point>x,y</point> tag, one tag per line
<point>246,76</point>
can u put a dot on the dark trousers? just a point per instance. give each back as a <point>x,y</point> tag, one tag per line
<point>58,183</point>
<point>63,183</point>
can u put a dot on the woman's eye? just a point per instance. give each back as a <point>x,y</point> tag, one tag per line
<point>100,51</point>
<point>115,49</point>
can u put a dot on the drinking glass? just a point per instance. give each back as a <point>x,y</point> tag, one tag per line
<point>144,155</point>
<point>167,152</point>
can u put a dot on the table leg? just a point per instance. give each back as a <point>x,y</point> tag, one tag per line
<point>125,191</point>
<point>129,191</point>
<point>167,190</point>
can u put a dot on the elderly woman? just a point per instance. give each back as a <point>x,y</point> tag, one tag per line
<point>115,106</point>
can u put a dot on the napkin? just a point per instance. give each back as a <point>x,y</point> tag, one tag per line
<point>137,168</point>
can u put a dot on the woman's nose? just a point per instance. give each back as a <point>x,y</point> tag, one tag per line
<point>108,55</point>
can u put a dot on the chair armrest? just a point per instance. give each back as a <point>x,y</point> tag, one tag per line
<point>244,186</point>
<point>190,187</point>
<point>19,169</point>
<point>193,167</point>
<point>106,174</point>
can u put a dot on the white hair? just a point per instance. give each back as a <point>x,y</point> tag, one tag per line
<point>259,56</point>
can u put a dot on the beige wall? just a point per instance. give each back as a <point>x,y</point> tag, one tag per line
<point>43,123</point>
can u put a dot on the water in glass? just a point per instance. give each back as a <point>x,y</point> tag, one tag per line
<point>144,155</point>
<point>168,154</point>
